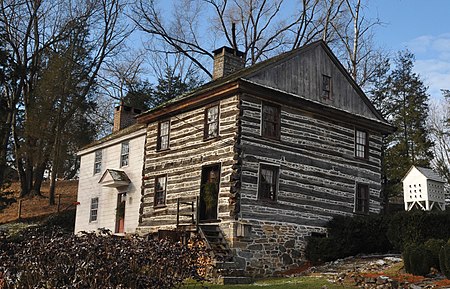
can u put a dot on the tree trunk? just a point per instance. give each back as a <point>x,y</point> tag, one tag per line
<point>38,178</point>
<point>5,131</point>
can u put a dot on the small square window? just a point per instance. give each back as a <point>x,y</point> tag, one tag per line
<point>124,154</point>
<point>270,121</point>
<point>362,199</point>
<point>326,87</point>
<point>212,122</point>
<point>268,182</point>
<point>163,135</point>
<point>361,144</point>
<point>94,210</point>
<point>160,191</point>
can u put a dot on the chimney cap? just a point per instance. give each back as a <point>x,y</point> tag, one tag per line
<point>229,50</point>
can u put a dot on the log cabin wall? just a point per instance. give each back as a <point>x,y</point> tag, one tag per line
<point>318,173</point>
<point>182,163</point>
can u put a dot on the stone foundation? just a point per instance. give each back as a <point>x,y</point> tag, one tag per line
<point>263,248</point>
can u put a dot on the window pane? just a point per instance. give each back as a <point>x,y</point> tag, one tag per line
<point>98,162</point>
<point>270,121</point>
<point>163,135</point>
<point>212,122</point>
<point>361,145</point>
<point>160,191</point>
<point>267,182</point>
<point>362,198</point>
<point>94,210</point>
<point>124,154</point>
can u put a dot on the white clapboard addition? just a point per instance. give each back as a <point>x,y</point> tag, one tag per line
<point>423,188</point>
<point>109,189</point>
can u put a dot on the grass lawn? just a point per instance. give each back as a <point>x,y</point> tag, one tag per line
<point>278,283</point>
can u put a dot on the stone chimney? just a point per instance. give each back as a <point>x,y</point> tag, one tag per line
<point>124,116</point>
<point>226,61</point>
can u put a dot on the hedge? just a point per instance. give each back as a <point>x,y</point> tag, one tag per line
<point>349,236</point>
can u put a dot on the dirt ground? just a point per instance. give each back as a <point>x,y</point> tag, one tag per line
<point>39,205</point>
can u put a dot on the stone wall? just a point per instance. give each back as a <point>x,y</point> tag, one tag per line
<point>268,248</point>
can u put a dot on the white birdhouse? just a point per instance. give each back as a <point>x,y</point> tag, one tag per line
<point>423,188</point>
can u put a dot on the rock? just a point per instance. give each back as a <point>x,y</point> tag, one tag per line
<point>393,259</point>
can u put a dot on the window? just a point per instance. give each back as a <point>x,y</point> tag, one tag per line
<point>326,87</point>
<point>163,135</point>
<point>268,181</point>
<point>362,199</point>
<point>94,210</point>
<point>212,122</point>
<point>160,191</point>
<point>124,153</point>
<point>361,144</point>
<point>98,162</point>
<point>270,122</point>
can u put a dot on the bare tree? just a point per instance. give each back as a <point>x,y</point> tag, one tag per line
<point>440,132</point>
<point>32,29</point>
<point>264,28</point>
<point>355,32</point>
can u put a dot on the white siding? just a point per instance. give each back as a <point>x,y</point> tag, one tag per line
<point>89,186</point>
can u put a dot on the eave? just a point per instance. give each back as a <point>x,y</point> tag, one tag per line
<point>197,99</point>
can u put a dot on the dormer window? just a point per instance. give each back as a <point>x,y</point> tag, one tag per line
<point>326,87</point>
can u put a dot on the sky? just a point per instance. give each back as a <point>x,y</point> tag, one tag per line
<point>423,27</point>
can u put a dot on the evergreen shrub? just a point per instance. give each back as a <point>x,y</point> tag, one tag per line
<point>419,258</point>
<point>417,227</point>
<point>444,259</point>
<point>348,236</point>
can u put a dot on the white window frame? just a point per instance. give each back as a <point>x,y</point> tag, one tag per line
<point>125,155</point>
<point>93,210</point>
<point>98,156</point>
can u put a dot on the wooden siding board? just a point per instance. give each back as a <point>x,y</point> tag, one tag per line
<point>318,170</point>
<point>183,162</point>
<point>302,75</point>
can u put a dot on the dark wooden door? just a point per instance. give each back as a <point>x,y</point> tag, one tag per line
<point>209,192</point>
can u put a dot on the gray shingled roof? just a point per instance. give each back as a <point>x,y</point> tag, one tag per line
<point>430,174</point>
<point>119,176</point>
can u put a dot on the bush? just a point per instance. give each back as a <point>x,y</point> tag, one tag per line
<point>48,257</point>
<point>444,259</point>
<point>434,246</point>
<point>417,259</point>
<point>64,220</point>
<point>417,227</point>
<point>349,236</point>
<point>322,250</point>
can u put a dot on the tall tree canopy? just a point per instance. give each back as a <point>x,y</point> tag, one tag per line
<point>402,97</point>
<point>56,51</point>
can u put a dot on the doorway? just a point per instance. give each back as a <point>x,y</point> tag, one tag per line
<point>120,212</point>
<point>209,193</point>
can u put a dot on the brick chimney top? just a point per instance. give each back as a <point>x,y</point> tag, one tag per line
<point>124,116</point>
<point>226,61</point>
